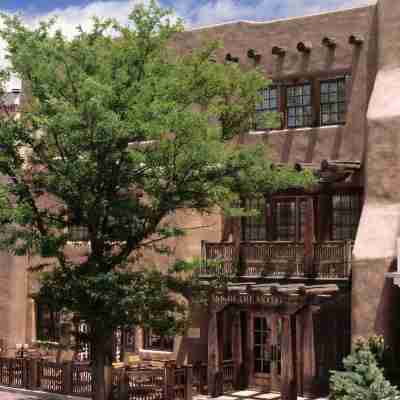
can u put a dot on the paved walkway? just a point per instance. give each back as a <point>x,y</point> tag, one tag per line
<point>250,394</point>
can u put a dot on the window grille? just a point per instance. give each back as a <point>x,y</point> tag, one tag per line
<point>290,217</point>
<point>346,215</point>
<point>333,101</point>
<point>269,103</point>
<point>78,233</point>
<point>262,342</point>
<point>298,104</point>
<point>155,341</point>
<point>254,226</point>
<point>48,323</point>
<point>83,344</point>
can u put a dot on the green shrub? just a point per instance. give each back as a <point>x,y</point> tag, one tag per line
<point>363,378</point>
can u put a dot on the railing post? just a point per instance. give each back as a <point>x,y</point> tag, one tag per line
<point>33,382</point>
<point>188,382</point>
<point>67,377</point>
<point>169,381</point>
<point>123,385</point>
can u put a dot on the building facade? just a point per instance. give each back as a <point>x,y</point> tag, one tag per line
<point>308,273</point>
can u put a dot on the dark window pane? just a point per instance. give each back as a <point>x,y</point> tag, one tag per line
<point>333,99</point>
<point>254,226</point>
<point>346,216</point>
<point>269,104</point>
<point>298,103</point>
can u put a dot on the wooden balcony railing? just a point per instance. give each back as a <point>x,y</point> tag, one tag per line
<point>329,260</point>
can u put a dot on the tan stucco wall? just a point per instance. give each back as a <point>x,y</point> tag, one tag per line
<point>375,300</point>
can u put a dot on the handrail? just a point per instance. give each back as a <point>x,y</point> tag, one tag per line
<point>331,259</point>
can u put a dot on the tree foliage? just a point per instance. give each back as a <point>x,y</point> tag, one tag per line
<point>111,139</point>
<point>363,378</point>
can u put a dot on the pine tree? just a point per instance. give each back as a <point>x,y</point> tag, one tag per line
<point>363,378</point>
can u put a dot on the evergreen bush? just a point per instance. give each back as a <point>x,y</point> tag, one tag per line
<point>363,377</point>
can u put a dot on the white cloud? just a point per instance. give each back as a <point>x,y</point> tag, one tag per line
<point>216,11</point>
<point>70,17</point>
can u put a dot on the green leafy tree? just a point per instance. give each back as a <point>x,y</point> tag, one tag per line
<point>363,378</point>
<point>111,139</point>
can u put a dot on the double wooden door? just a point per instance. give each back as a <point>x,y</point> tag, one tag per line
<point>265,344</point>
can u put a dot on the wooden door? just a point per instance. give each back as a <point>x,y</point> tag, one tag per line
<point>265,344</point>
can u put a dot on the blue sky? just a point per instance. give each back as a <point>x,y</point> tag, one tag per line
<point>195,12</point>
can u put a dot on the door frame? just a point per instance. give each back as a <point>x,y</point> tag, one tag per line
<point>270,381</point>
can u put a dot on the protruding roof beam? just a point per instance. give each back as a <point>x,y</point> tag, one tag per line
<point>356,40</point>
<point>230,58</point>
<point>254,55</point>
<point>278,51</point>
<point>304,47</point>
<point>328,42</point>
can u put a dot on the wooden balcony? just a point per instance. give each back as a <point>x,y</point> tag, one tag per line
<point>277,260</point>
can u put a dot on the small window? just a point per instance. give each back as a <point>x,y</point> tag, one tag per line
<point>346,216</point>
<point>290,219</point>
<point>78,233</point>
<point>262,345</point>
<point>47,323</point>
<point>298,105</point>
<point>269,104</point>
<point>83,346</point>
<point>155,341</point>
<point>254,227</point>
<point>333,101</point>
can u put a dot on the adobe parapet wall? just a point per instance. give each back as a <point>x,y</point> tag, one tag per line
<point>303,145</point>
<point>375,300</point>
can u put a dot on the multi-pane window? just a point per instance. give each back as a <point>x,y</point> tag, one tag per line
<point>78,233</point>
<point>333,101</point>
<point>254,228</point>
<point>155,341</point>
<point>269,104</point>
<point>83,351</point>
<point>346,212</point>
<point>262,345</point>
<point>298,106</point>
<point>289,219</point>
<point>47,323</point>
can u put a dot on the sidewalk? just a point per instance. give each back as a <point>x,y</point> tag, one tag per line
<point>9,393</point>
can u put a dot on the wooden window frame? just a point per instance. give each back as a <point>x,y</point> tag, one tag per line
<point>263,110</point>
<point>329,103</point>
<point>51,323</point>
<point>167,343</point>
<point>299,234</point>
<point>354,227</point>
<point>250,225</point>
<point>315,102</point>
<point>303,106</point>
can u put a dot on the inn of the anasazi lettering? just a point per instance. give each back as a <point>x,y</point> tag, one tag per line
<point>308,275</point>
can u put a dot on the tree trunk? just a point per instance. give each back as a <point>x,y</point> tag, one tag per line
<point>101,367</point>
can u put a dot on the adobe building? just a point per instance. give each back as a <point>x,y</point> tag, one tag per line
<point>308,275</point>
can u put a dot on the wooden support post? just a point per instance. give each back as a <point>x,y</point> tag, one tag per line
<point>189,382</point>
<point>309,237</point>
<point>33,366</point>
<point>213,351</point>
<point>237,239</point>
<point>237,348</point>
<point>299,353</point>
<point>324,217</point>
<point>67,374</point>
<point>124,386</point>
<point>289,377</point>
<point>308,353</point>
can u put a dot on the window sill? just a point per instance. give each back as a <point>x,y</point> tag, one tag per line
<point>161,352</point>
<point>294,130</point>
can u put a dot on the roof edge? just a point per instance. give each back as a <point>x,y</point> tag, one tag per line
<point>373,3</point>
